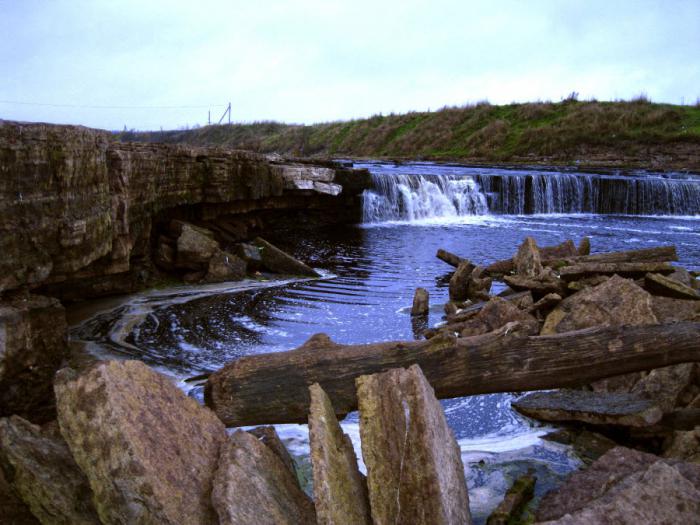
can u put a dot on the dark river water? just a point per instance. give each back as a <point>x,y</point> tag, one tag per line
<point>370,273</point>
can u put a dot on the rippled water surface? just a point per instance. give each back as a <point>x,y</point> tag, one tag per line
<point>370,273</point>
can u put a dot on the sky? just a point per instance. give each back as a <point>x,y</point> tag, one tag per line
<point>152,64</point>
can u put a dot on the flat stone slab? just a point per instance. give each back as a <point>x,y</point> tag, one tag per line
<point>659,284</point>
<point>623,269</point>
<point>597,408</point>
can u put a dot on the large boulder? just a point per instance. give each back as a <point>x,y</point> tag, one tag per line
<point>253,485</point>
<point>414,468</point>
<point>195,248</point>
<point>43,472</point>
<point>584,487</point>
<point>32,346</point>
<point>148,450</point>
<point>667,309</point>
<point>224,266</point>
<point>268,436</point>
<point>668,287</point>
<point>340,491</point>
<point>615,302</point>
<point>275,260</point>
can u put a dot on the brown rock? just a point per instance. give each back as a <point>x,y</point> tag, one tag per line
<point>658,284</point>
<point>340,491</point>
<point>544,284</point>
<point>13,510</point>
<point>250,255</point>
<point>547,302</point>
<point>165,256</point>
<point>252,485</point>
<point>32,346</point>
<point>225,267</point>
<point>497,313</point>
<point>194,248</point>
<point>658,495</point>
<point>275,260</point>
<point>665,385</point>
<point>667,309</point>
<point>459,281</point>
<point>583,487</point>
<point>414,469</point>
<point>584,247</point>
<point>148,450</point>
<point>44,474</point>
<point>623,269</point>
<point>597,408</point>
<point>527,261</point>
<point>515,499</point>
<point>421,302</point>
<point>684,445</point>
<point>616,302</point>
<point>268,436</point>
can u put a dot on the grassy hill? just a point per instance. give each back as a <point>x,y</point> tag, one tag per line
<point>630,133</point>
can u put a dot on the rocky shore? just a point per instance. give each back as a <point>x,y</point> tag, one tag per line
<point>617,334</point>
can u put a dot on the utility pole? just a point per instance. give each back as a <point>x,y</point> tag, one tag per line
<point>228,110</point>
<point>209,118</point>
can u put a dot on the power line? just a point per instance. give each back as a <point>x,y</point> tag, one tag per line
<point>22,103</point>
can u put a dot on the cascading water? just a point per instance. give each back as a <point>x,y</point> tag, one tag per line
<point>414,197</point>
<point>424,191</point>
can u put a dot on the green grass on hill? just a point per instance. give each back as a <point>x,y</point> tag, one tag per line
<point>562,131</point>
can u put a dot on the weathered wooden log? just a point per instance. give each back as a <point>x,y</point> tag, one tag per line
<point>623,269</point>
<point>656,254</point>
<point>273,388</point>
<point>449,258</point>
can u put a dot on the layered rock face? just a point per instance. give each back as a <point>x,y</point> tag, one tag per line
<point>76,206</point>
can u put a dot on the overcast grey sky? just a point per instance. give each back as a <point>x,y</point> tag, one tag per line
<point>319,60</point>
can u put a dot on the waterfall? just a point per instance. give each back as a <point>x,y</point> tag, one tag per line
<point>405,197</point>
<point>425,191</point>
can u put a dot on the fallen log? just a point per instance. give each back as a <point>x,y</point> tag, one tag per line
<point>656,254</point>
<point>273,388</point>
<point>449,258</point>
<point>623,269</point>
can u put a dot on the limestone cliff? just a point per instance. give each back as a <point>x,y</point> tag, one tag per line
<point>75,205</point>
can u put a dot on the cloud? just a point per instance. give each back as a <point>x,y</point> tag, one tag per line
<point>313,60</point>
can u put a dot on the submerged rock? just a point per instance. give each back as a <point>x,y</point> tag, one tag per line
<point>615,302</point>
<point>252,485</point>
<point>148,451</point>
<point>340,491</point>
<point>601,480</point>
<point>414,468</point>
<point>597,408</point>
<point>517,496</point>
<point>44,474</point>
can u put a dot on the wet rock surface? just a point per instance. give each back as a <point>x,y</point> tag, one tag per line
<point>277,261</point>
<point>668,287</point>
<point>597,408</point>
<point>340,490</point>
<point>148,451</point>
<point>252,485</point>
<point>414,469</point>
<point>42,471</point>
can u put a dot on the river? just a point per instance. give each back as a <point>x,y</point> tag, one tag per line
<point>371,270</point>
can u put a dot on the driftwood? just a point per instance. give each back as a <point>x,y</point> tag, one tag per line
<point>449,258</point>
<point>657,254</point>
<point>273,388</point>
